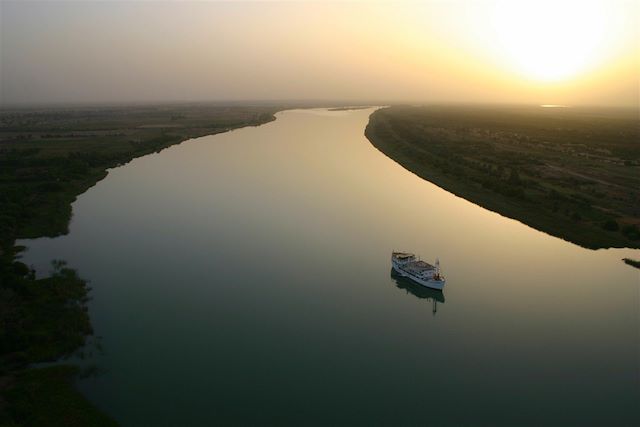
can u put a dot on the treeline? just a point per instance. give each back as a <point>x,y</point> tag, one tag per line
<point>36,191</point>
<point>513,170</point>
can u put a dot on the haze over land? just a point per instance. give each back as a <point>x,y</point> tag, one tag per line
<point>236,175</point>
<point>563,52</point>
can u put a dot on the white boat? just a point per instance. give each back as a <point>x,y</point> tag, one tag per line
<point>407,265</point>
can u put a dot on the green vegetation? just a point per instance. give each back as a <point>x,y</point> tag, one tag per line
<point>46,397</point>
<point>47,158</point>
<point>42,320</point>
<point>573,173</point>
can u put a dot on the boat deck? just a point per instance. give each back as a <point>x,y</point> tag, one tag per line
<point>419,266</point>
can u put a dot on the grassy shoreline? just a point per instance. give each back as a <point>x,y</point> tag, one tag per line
<point>47,158</point>
<point>525,165</point>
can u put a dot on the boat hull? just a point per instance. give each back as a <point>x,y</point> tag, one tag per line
<point>429,283</point>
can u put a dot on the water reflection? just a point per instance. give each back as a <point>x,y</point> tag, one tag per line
<point>434,295</point>
<point>256,251</point>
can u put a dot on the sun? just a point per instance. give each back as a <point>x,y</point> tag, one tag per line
<point>550,40</point>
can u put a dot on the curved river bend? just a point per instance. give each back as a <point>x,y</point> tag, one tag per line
<point>244,278</point>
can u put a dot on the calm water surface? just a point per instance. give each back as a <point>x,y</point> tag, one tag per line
<point>244,278</point>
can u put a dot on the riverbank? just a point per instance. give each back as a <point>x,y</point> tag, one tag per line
<point>632,262</point>
<point>48,157</point>
<point>570,173</point>
<point>315,210</point>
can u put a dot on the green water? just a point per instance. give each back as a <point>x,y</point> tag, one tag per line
<point>244,278</point>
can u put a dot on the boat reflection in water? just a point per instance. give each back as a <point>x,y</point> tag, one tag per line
<point>434,295</point>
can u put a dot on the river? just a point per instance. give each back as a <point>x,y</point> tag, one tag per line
<point>244,278</point>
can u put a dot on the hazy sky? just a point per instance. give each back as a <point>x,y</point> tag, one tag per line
<point>561,52</point>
